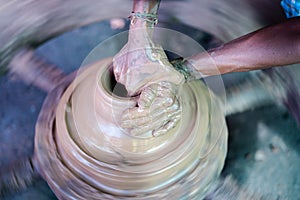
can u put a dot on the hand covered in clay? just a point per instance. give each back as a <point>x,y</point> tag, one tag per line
<point>158,111</point>
<point>141,63</point>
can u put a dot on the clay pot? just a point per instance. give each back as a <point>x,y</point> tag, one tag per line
<point>83,153</point>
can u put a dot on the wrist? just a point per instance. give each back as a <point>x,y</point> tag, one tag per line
<point>186,69</point>
<point>142,20</point>
<point>144,13</point>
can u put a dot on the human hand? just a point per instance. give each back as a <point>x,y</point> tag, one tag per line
<point>157,112</point>
<point>141,63</point>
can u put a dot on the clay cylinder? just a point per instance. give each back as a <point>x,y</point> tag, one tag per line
<point>87,155</point>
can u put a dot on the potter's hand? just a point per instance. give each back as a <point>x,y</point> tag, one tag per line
<point>141,63</point>
<point>158,111</point>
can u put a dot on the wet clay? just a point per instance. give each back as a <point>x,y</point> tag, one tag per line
<point>83,152</point>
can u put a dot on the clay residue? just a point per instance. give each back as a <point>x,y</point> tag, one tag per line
<point>141,63</point>
<point>158,111</point>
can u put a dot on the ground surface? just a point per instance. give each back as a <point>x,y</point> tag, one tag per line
<point>264,144</point>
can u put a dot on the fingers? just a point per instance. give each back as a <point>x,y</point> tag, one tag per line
<point>137,117</point>
<point>167,127</point>
<point>158,111</point>
<point>147,96</point>
<point>156,126</point>
<point>163,92</point>
<point>155,101</point>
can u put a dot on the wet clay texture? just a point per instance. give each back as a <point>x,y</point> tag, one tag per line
<point>83,153</point>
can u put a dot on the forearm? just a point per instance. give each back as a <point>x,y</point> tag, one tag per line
<point>143,18</point>
<point>146,6</point>
<point>271,46</point>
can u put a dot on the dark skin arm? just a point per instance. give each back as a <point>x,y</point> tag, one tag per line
<point>275,45</point>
